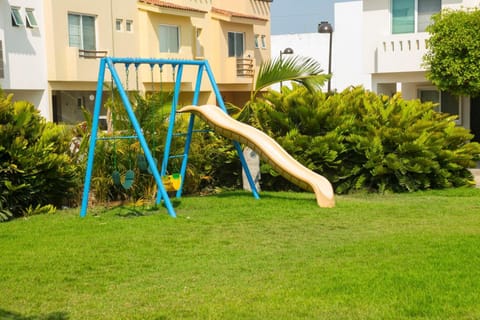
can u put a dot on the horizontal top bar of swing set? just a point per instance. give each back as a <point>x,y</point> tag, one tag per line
<point>154,61</point>
<point>117,137</point>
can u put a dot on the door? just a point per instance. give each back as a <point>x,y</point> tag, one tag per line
<point>475,118</point>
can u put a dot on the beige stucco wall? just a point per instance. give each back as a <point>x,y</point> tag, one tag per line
<point>213,39</point>
<point>67,71</point>
<point>63,61</point>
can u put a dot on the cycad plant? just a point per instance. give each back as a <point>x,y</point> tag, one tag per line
<point>363,141</point>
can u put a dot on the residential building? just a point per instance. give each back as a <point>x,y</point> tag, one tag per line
<point>77,34</point>
<point>380,44</point>
<point>234,36</point>
<point>23,69</point>
<point>394,42</point>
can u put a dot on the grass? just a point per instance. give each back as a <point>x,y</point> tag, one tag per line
<point>408,256</point>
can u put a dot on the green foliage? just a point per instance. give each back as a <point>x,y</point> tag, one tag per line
<point>36,170</point>
<point>303,70</point>
<point>123,154</point>
<point>212,159</point>
<point>362,141</point>
<point>454,51</point>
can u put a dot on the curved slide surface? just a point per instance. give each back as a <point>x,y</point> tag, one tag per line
<point>268,149</point>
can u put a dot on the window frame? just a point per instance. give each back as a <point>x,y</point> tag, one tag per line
<point>199,50</point>
<point>440,107</point>
<point>257,36</point>
<point>81,30</point>
<point>235,34</point>
<point>168,45</point>
<point>128,25</point>
<point>118,24</point>
<point>17,20</point>
<point>416,24</point>
<point>263,41</point>
<point>30,18</point>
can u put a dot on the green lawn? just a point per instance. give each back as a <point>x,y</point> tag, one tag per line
<point>408,256</point>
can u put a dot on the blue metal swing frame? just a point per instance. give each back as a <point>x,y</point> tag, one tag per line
<point>203,67</point>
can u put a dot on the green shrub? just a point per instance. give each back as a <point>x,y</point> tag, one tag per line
<point>36,170</point>
<point>212,160</point>
<point>362,141</point>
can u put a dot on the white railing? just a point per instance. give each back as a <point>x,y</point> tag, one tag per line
<point>402,53</point>
<point>245,67</point>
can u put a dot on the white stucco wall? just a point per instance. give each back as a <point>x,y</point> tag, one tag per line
<point>347,62</point>
<point>347,44</point>
<point>24,55</point>
<point>313,45</point>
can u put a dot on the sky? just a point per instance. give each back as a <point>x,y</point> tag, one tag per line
<point>300,16</point>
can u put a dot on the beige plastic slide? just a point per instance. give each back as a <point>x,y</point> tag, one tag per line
<point>268,149</point>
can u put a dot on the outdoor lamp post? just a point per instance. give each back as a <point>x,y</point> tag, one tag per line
<point>282,52</point>
<point>325,27</point>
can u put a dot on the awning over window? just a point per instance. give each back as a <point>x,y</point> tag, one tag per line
<point>170,8</point>
<point>236,17</point>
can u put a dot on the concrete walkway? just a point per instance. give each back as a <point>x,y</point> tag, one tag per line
<point>476,176</point>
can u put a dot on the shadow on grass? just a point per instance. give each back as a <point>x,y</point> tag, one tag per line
<point>9,315</point>
<point>126,211</point>
<point>293,196</point>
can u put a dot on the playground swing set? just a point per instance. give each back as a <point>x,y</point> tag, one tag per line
<point>165,182</point>
<point>171,182</point>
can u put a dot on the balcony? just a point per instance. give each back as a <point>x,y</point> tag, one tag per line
<point>401,53</point>
<point>245,67</point>
<point>91,54</point>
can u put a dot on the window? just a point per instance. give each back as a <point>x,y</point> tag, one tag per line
<point>411,15</point>
<point>426,8</point>
<point>17,20</point>
<point>236,44</point>
<point>81,31</point>
<point>129,26</point>
<point>198,44</point>
<point>2,71</point>
<point>450,104</point>
<point>256,41</point>
<point>447,102</point>
<point>30,17</point>
<point>403,16</point>
<point>118,24</point>
<point>427,95</point>
<point>264,42</point>
<point>169,38</point>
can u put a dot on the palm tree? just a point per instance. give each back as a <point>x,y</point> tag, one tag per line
<point>303,70</point>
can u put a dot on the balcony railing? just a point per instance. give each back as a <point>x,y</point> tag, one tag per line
<point>401,53</point>
<point>91,54</point>
<point>245,67</point>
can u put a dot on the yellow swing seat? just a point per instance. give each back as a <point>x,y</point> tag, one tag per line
<point>172,182</point>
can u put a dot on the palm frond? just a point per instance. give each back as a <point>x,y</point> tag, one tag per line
<point>304,70</point>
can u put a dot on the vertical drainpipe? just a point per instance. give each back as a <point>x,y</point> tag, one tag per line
<point>112,24</point>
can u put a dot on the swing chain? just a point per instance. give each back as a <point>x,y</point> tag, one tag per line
<point>136,75</point>
<point>126,77</point>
